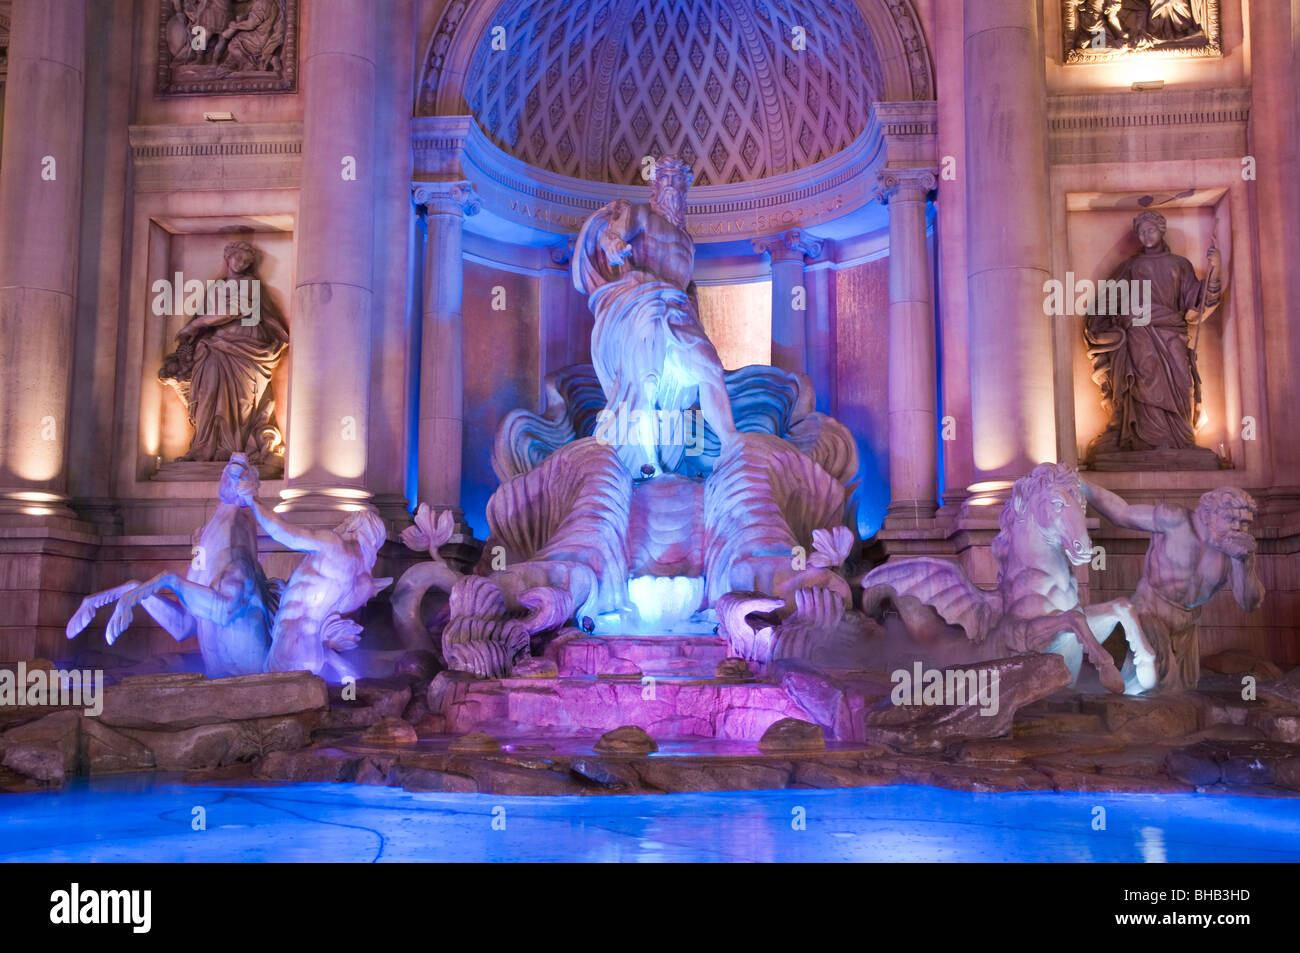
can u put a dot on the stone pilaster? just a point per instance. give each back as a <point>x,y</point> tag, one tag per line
<point>557,325</point>
<point>40,223</point>
<point>913,390</point>
<point>1013,424</point>
<point>789,296</point>
<point>329,352</point>
<point>442,349</point>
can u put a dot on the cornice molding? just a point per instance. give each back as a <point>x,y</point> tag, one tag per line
<point>1134,126</point>
<point>216,156</point>
<point>455,147</point>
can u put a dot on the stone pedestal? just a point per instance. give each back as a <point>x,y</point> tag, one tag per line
<point>1186,458</point>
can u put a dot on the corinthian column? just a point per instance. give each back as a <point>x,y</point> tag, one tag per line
<point>40,220</point>
<point>329,347</point>
<point>913,462</point>
<point>789,296</point>
<point>1013,425</point>
<point>442,348</point>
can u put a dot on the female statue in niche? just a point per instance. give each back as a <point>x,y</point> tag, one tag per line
<point>1146,368</point>
<point>223,363</point>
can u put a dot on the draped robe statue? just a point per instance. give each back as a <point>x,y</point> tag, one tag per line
<point>254,41</point>
<point>222,368</point>
<point>1147,371</point>
<point>649,349</point>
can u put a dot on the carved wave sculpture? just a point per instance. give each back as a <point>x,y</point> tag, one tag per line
<point>764,399</point>
<point>524,439</point>
<point>561,529</point>
<point>764,499</point>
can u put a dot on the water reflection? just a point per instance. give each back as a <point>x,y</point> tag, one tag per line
<point>127,820</point>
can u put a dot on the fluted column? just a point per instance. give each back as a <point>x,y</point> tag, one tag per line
<point>329,345</point>
<point>789,296</point>
<point>1013,425</point>
<point>40,221</point>
<point>913,397</point>
<point>442,348</point>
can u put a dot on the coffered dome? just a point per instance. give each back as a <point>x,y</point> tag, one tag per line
<point>586,88</point>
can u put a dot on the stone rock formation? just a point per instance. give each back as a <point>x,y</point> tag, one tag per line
<point>629,739</point>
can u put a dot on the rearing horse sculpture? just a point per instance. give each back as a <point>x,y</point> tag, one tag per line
<point>1042,535</point>
<point>225,599</point>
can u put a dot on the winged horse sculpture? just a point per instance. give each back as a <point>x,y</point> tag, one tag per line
<point>1042,535</point>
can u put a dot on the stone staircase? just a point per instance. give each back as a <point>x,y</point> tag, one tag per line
<point>666,684</point>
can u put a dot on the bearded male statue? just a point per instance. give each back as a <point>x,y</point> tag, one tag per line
<point>649,349</point>
<point>1193,554</point>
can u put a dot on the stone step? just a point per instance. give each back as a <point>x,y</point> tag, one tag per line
<point>1056,722</point>
<point>658,655</point>
<point>669,709</point>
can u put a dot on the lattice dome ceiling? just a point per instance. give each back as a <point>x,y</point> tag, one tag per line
<point>586,88</point>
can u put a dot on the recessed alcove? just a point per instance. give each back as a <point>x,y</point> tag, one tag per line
<point>1099,232</point>
<point>191,245</point>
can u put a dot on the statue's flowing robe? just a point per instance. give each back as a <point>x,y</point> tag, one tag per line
<point>232,405</point>
<point>260,37</point>
<point>1146,371</point>
<point>213,15</point>
<point>639,321</point>
<point>1172,20</point>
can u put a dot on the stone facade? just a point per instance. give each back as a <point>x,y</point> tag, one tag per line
<point>413,191</point>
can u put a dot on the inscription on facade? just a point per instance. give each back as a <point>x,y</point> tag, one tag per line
<point>741,226</point>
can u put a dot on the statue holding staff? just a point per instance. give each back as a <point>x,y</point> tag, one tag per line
<point>1145,364</point>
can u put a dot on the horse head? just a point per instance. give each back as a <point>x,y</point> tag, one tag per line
<point>1049,499</point>
<point>238,478</point>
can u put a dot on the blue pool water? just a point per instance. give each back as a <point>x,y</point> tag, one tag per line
<point>139,821</point>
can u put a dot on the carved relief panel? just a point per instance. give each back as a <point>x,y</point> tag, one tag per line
<point>227,46</point>
<point>1099,31</point>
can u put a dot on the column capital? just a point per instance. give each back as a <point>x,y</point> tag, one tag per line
<point>447,198</point>
<point>789,245</point>
<point>909,185</point>
<point>562,253</point>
